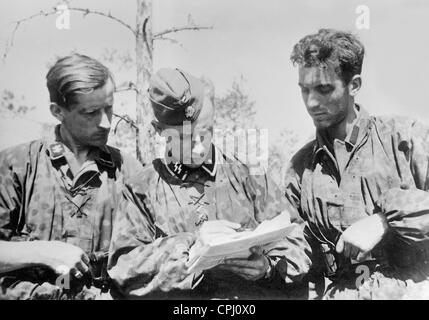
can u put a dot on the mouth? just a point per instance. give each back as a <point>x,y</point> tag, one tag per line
<point>101,135</point>
<point>319,114</point>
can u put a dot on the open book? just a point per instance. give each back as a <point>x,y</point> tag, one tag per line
<point>237,245</point>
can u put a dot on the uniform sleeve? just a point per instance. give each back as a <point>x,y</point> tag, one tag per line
<point>290,256</point>
<point>16,165</point>
<point>407,207</point>
<point>143,260</point>
<point>13,170</point>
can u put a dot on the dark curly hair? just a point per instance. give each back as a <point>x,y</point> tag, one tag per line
<point>343,49</point>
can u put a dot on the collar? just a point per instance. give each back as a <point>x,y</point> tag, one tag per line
<point>181,171</point>
<point>359,129</point>
<point>57,150</point>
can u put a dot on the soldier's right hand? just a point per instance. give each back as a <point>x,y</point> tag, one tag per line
<point>62,257</point>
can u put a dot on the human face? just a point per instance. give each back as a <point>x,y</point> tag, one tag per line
<point>325,96</point>
<point>88,118</point>
<point>190,143</point>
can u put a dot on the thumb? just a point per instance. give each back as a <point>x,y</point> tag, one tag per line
<point>256,250</point>
<point>340,245</point>
<point>362,256</point>
<point>232,225</point>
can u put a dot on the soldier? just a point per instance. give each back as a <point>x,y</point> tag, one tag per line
<point>196,190</point>
<point>59,195</point>
<point>362,185</point>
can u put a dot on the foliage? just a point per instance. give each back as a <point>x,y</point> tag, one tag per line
<point>12,105</point>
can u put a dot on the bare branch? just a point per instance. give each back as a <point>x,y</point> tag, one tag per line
<point>10,42</point>
<point>172,41</point>
<point>53,11</point>
<point>159,35</point>
<point>125,118</point>
<point>128,86</point>
<point>107,15</point>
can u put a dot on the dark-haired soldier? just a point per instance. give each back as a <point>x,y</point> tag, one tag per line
<point>197,192</point>
<point>59,195</point>
<point>362,184</point>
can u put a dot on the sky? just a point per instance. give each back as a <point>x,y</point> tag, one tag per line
<point>250,42</point>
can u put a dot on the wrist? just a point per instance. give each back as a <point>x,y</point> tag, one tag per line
<point>270,269</point>
<point>384,224</point>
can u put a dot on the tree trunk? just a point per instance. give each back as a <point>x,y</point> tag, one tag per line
<point>144,48</point>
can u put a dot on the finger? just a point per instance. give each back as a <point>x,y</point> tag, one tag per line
<point>76,273</point>
<point>244,263</point>
<point>340,245</point>
<point>85,259</point>
<point>82,267</point>
<point>362,256</point>
<point>354,252</point>
<point>245,273</point>
<point>256,250</point>
<point>346,251</point>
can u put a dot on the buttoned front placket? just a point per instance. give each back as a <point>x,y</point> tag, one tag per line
<point>78,199</point>
<point>333,187</point>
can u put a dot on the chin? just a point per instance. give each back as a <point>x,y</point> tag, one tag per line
<point>322,125</point>
<point>98,142</point>
<point>194,165</point>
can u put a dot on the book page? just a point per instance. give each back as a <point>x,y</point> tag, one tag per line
<point>237,245</point>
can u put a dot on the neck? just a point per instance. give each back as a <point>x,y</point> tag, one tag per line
<point>80,151</point>
<point>343,128</point>
<point>208,156</point>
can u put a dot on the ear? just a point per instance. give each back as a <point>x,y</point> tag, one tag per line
<point>57,111</point>
<point>157,126</point>
<point>355,84</point>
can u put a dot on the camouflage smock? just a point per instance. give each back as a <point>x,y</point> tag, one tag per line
<point>40,199</point>
<point>150,263</point>
<point>382,166</point>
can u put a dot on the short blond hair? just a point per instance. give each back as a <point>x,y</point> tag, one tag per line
<point>74,74</point>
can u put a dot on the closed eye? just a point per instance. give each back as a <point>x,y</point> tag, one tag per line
<point>325,89</point>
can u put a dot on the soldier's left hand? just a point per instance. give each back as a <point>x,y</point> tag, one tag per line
<point>253,268</point>
<point>362,236</point>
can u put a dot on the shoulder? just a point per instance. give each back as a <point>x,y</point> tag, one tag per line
<point>21,153</point>
<point>402,128</point>
<point>302,157</point>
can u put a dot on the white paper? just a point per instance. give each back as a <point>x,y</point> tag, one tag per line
<point>237,245</point>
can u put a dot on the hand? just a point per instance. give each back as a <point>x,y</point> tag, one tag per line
<point>360,238</point>
<point>62,257</point>
<point>253,268</point>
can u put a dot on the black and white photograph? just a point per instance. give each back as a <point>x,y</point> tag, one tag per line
<point>214,150</point>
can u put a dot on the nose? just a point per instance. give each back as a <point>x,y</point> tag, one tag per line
<point>312,101</point>
<point>105,121</point>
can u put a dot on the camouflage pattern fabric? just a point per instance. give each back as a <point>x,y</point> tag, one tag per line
<point>383,166</point>
<point>40,199</point>
<point>148,259</point>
